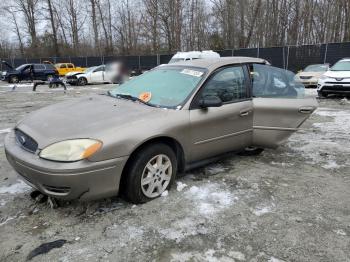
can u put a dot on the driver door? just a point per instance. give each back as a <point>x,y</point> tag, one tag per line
<point>217,130</point>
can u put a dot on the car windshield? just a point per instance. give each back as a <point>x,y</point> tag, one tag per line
<point>316,68</point>
<point>174,60</point>
<point>341,66</point>
<point>162,87</point>
<point>21,67</point>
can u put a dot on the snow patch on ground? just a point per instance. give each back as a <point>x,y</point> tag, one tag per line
<point>331,164</point>
<point>273,259</point>
<point>340,232</point>
<point>183,228</point>
<point>259,211</point>
<point>2,202</point>
<point>209,199</point>
<point>5,131</point>
<point>180,186</point>
<point>198,256</point>
<point>237,255</point>
<point>319,145</point>
<point>17,188</point>
<point>214,169</point>
<point>165,193</point>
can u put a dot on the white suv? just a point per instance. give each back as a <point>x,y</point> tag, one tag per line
<point>336,80</point>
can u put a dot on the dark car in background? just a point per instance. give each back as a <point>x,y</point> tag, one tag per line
<point>25,72</point>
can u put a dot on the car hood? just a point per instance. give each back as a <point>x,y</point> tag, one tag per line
<point>312,74</point>
<point>338,74</point>
<point>74,74</point>
<point>96,116</point>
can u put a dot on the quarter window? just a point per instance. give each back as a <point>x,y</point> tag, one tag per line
<point>229,85</point>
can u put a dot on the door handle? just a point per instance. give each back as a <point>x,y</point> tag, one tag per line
<point>306,109</point>
<point>244,112</point>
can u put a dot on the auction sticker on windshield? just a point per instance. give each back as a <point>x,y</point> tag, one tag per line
<point>192,72</point>
<point>145,96</point>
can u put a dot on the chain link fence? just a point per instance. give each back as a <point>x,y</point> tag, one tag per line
<point>293,58</point>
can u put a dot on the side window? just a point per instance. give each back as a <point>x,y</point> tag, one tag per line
<point>63,66</point>
<point>99,69</point>
<point>39,67</point>
<point>269,81</point>
<point>70,66</point>
<point>229,85</point>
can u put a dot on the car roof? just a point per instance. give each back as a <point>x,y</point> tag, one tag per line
<point>212,63</point>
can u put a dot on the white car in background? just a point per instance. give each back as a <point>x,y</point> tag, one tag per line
<point>192,55</point>
<point>110,73</point>
<point>310,75</point>
<point>336,80</point>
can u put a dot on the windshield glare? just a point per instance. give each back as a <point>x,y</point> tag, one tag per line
<point>316,68</point>
<point>21,67</point>
<point>341,66</point>
<point>165,87</point>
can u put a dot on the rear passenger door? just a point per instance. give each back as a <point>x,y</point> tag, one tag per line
<point>217,130</point>
<point>280,105</point>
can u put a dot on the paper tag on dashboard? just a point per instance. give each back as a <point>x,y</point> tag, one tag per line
<point>192,72</point>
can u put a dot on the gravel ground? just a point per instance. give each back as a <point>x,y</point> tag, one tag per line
<point>289,204</point>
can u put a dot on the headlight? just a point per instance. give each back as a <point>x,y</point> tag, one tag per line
<point>71,150</point>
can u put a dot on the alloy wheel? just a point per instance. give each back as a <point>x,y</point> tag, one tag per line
<point>156,176</point>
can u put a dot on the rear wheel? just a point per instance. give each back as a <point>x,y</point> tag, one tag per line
<point>14,79</point>
<point>82,81</point>
<point>152,171</point>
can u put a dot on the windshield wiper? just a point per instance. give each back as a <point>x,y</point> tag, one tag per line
<point>130,97</point>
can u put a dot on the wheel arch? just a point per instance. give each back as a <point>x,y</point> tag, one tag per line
<point>172,142</point>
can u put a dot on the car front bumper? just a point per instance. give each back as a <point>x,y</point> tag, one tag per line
<point>72,81</point>
<point>334,87</point>
<point>309,83</point>
<point>85,180</point>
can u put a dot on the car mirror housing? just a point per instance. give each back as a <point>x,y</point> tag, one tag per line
<point>210,101</point>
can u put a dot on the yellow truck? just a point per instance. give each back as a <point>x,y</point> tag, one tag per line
<point>64,68</point>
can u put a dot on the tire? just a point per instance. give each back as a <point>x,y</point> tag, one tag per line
<point>13,79</point>
<point>251,151</point>
<point>155,180</point>
<point>82,81</point>
<point>49,77</point>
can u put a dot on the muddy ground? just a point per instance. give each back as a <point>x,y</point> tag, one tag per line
<point>289,204</point>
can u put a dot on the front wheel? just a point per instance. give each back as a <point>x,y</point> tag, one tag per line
<point>82,81</point>
<point>152,171</point>
<point>322,95</point>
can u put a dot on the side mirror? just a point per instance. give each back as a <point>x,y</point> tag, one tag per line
<point>210,101</point>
